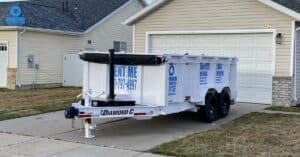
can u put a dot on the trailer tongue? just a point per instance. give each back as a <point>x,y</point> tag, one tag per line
<point>143,86</point>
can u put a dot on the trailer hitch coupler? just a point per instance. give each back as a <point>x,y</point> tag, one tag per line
<point>71,112</point>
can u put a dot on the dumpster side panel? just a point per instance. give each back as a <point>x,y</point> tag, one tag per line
<point>183,82</point>
<point>154,86</point>
<point>95,78</point>
<point>128,81</point>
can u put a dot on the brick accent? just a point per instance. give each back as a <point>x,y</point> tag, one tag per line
<point>282,91</point>
<point>11,78</point>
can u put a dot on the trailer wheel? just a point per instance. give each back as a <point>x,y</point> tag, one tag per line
<point>224,104</point>
<point>209,110</point>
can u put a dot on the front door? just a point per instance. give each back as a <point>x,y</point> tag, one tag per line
<point>3,64</point>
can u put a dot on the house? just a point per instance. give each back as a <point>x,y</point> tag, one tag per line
<point>263,34</point>
<point>36,35</point>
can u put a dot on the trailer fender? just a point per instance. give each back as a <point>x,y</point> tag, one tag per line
<point>226,90</point>
<point>211,91</point>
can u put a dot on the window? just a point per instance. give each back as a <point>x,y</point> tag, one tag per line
<point>120,46</point>
<point>3,47</point>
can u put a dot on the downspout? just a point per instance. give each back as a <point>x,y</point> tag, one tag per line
<point>295,99</point>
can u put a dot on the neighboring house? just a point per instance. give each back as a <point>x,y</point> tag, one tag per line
<point>263,34</point>
<point>36,35</point>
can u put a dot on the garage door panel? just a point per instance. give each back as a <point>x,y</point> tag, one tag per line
<point>264,68</point>
<point>246,66</point>
<point>254,78</point>
<point>230,51</point>
<point>246,41</point>
<point>246,52</point>
<point>260,40</point>
<point>230,41</point>
<point>263,53</point>
<point>212,51</point>
<point>244,79</point>
<point>211,42</point>
<point>254,95</point>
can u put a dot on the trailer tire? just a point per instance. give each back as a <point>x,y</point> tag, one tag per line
<point>224,104</point>
<point>209,110</point>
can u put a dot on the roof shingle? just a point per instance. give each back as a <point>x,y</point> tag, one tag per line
<point>49,14</point>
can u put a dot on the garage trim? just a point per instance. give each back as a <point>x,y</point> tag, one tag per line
<point>237,31</point>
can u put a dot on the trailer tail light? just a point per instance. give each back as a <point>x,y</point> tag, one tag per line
<point>85,116</point>
<point>187,98</point>
<point>139,114</point>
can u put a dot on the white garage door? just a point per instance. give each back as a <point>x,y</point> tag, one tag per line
<point>253,50</point>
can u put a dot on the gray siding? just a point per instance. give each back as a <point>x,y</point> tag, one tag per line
<point>113,30</point>
<point>49,49</point>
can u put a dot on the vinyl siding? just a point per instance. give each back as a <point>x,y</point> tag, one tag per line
<point>11,38</point>
<point>48,50</point>
<point>187,15</point>
<point>113,30</point>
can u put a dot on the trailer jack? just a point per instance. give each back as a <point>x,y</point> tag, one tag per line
<point>88,127</point>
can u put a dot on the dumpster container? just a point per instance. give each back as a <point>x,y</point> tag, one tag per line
<point>143,86</point>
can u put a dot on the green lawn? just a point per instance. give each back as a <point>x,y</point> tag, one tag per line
<point>21,103</point>
<point>255,134</point>
<point>284,109</point>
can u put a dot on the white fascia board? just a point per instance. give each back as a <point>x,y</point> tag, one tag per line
<point>145,11</point>
<point>10,28</point>
<point>236,31</point>
<point>281,8</point>
<point>131,20</point>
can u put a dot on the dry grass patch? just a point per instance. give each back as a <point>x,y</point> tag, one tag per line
<point>284,109</point>
<point>15,104</point>
<point>255,134</point>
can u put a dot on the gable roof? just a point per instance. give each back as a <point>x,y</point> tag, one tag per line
<point>75,16</point>
<point>288,7</point>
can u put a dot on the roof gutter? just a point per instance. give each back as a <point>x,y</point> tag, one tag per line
<point>158,3</point>
<point>21,28</point>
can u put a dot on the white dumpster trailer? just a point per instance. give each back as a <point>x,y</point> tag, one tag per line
<point>145,86</point>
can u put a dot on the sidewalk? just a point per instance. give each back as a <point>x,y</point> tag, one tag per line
<point>281,112</point>
<point>25,146</point>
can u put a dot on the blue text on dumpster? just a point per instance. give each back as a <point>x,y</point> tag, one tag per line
<point>219,73</point>
<point>204,69</point>
<point>172,80</point>
<point>126,77</point>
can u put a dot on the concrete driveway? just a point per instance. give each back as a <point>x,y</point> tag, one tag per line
<point>122,134</point>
